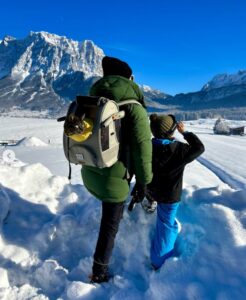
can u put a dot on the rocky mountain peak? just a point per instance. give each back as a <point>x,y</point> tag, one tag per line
<point>224,79</point>
<point>6,40</point>
<point>52,54</point>
<point>46,70</point>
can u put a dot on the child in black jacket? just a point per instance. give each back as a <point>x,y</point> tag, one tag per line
<point>169,160</point>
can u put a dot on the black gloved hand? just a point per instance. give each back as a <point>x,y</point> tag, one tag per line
<point>139,192</point>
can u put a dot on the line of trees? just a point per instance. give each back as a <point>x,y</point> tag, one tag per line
<point>233,114</point>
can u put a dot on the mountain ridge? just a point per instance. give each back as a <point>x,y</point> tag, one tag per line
<point>31,69</point>
<point>47,71</point>
<point>224,79</point>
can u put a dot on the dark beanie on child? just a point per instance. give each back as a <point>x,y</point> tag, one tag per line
<point>114,66</point>
<point>161,125</point>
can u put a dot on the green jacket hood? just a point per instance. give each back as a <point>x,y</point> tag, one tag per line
<point>117,88</point>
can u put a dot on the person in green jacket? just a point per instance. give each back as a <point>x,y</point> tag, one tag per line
<point>111,185</point>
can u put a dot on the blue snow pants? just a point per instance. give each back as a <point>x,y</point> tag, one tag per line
<point>165,234</point>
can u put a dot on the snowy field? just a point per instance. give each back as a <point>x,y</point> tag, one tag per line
<point>49,226</point>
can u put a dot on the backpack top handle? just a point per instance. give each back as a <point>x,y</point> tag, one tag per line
<point>90,100</point>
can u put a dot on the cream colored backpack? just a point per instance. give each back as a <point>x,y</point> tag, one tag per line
<point>92,131</point>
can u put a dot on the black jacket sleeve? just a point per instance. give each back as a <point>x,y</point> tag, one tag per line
<point>194,148</point>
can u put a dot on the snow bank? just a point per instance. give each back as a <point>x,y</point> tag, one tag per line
<point>4,205</point>
<point>35,184</point>
<point>40,216</point>
<point>7,157</point>
<point>51,277</point>
<point>80,290</point>
<point>25,292</point>
<point>4,280</point>
<point>49,236</point>
<point>213,243</point>
<point>31,142</point>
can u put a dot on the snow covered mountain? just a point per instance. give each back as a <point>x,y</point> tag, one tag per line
<point>44,70</point>
<point>49,54</point>
<point>223,80</point>
<point>153,93</point>
<point>224,95</point>
<point>154,99</point>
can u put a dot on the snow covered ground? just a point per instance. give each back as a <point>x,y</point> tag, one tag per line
<point>49,226</point>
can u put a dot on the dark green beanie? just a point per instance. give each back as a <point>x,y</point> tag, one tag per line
<point>161,125</point>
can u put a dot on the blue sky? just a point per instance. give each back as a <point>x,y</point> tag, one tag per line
<point>173,45</point>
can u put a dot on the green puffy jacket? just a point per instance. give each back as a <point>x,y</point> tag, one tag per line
<point>111,184</point>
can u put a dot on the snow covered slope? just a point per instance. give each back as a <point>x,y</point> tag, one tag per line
<point>44,70</point>
<point>224,154</point>
<point>50,54</point>
<point>223,80</point>
<point>49,227</point>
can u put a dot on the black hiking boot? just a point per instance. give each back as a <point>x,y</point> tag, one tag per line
<point>100,273</point>
<point>149,206</point>
<point>99,278</point>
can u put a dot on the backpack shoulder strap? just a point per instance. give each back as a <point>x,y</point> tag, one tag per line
<point>127,157</point>
<point>130,101</point>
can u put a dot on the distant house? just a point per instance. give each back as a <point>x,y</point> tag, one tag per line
<point>237,130</point>
<point>222,127</point>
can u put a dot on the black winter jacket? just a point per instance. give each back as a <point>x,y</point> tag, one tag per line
<point>168,165</point>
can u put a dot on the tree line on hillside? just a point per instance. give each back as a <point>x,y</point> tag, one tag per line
<point>233,114</point>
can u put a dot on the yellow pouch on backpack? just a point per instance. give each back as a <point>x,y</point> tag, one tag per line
<point>87,132</point>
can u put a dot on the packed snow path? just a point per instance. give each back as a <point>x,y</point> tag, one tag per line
<point>49,229</point>
<point>225,156</point>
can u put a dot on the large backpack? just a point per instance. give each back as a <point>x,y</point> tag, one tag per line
<point>100,147</point>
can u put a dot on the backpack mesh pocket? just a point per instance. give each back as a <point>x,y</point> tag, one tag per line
<point>105,138</point>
